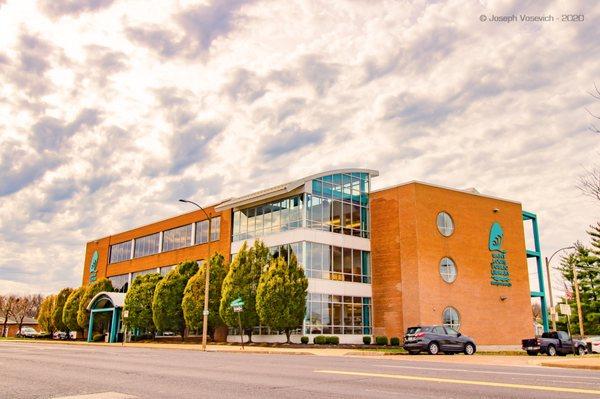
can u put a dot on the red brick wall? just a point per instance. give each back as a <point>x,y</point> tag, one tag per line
<point>404,221</point>
<point>195,252</point>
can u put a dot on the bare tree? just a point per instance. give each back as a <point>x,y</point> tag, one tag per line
<point>26,306</point>
<point>7,304</point>
<point>596,95</point>
<point>589,184</point>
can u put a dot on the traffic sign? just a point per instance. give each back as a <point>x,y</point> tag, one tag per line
<point>237,302</point>
<point>565,309</point>
<point>126,313</point>
<point>237,309</point>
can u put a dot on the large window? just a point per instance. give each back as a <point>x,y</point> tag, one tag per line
<point>120,282</point>
<point>177,238</point>
<point>339,203</point>
<point>147,245</point>
<point>447,270</point>
<point>202,230</point>
<point>451,318</point>
<point>336,314</point>
<point>273,217</point>
<point>286,251</point>
<point>142,273</point>
<point>336,263</point>
<point>445,224</point>
<point>120,252</point>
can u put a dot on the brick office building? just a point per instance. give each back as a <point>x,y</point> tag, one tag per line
<point>377,262</point>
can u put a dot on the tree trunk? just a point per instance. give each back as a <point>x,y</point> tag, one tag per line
<point>249,333</point>
<point>287,335</point>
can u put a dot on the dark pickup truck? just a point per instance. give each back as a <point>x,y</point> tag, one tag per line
<point>554,343</point>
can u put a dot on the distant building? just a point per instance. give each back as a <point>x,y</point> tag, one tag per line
<point>12,326</point>
<point>377,262</point>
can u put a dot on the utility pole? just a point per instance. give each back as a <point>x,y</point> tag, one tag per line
<point>555,315</point>
<point>579,313</point>
<point>207,279</point>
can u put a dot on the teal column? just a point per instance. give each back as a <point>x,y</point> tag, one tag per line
<point>91,328</point>
<point>113,326</point>
<point>540,272</point>
<point>537,254</point>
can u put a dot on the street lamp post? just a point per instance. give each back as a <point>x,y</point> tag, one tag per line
<point>550,283</point>
<point>207,278</point>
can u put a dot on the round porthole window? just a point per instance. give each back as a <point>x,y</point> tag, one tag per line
<point>445,224</point>
<point>447,270</point>
<point>451,318</point>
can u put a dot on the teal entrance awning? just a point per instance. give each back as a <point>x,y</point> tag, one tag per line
<point>107,302</point>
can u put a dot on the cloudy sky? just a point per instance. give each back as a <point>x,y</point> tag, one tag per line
<point>111,110</point>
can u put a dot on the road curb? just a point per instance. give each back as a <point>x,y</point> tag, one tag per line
<point>572,366</point>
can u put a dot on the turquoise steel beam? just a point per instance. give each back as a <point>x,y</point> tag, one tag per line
<point>537,254</point>
<point>91,327</point>
<point>113,327</point>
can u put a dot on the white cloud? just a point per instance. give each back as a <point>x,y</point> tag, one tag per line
<point>111,110</point>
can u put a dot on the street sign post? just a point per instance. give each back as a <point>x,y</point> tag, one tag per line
<point>565,309</point>
<point>238,307</point>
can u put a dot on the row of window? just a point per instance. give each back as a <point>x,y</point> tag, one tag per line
<point>336,263</point>
<point>328,261</point>
<point>336,314</point>
<point>120,282</point>
<point>172,239</point>
<point>352,187</point>
<point>336,216</point>
<point>273,217</point>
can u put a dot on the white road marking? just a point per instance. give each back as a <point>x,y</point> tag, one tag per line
<point>99,395</point>
<point>490,372</point>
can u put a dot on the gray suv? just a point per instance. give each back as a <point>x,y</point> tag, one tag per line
<point>436,339</point>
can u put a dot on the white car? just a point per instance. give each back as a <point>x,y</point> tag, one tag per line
<point>595,344</point>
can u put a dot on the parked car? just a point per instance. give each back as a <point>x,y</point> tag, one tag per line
<point>436,339</point>
<point>554,343</point>
<point>28,332</point>
<point>593,344</point>
<point>60,335</point>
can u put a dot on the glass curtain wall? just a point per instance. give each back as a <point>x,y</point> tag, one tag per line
<point>336,314</point>
<point>339,203</point>
<point>273,217</point>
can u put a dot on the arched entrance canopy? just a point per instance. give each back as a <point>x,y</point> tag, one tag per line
<point>107,302</point>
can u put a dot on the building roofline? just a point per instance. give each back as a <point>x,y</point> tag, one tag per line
<point>286,188</point>
<point>214,205</point>
<point>464,191</point>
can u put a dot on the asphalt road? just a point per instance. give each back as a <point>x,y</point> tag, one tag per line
<point>32,370</point>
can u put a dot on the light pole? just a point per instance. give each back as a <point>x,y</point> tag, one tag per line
<point>207,279</point>
<point>550,283</point>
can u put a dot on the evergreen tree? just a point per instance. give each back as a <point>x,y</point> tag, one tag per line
<point>69,316</point>
<point>193,296</point>
<point>83,316</point>
<point>242,282</point>
<point>57,312</point>
<point>587,264</point>
<point>138,302</point>
<point>168,295</point>
<point>281,295</point>
<point>44,316</point>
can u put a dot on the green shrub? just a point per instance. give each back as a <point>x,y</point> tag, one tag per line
<point>332,340</point>
<point>304,340</point>
<point>395,341</point>
<point>381,340</point>
<point>98,338</point>
<point>320,340</point>
<point>367,340</point>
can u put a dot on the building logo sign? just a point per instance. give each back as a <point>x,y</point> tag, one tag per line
<point>499,265</point>
<point>94,267</point>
